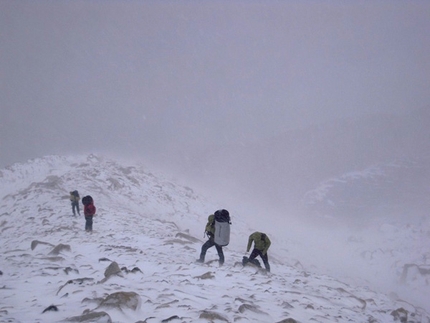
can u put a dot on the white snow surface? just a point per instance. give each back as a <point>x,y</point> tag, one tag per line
<point>154,226</point>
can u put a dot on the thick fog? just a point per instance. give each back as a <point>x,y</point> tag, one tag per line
<point>265,104</point>
<point>141,77</point>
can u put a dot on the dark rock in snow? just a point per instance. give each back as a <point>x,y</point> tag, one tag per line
<point>134,270</point>
<point>105,259</point>
<point>35,243</point>
<point>207,275</point>
<point>78,281</point>
<point>121,301</point>
<point>212,316</point>
<point>51,308</point>
<point>99,317</point>
<point>288,320</point>
<point>67,270</point>
<point>59,248</point>
<point>112,269</point>
<point>248,307</point>
<point>174,317</point>
<point>400,315</point>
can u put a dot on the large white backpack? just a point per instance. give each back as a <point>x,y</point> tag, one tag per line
<point>222,228</point>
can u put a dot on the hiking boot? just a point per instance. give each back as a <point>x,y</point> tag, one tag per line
<point>200,261</point>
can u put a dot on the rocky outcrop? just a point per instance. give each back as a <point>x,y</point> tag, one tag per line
<point>91,317</point>
<point>121,301</point>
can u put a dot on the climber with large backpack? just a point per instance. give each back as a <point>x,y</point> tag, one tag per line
<point>218,232</point>
<point>89,212</point>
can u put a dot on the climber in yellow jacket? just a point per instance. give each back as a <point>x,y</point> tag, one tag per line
<point>261,245</point>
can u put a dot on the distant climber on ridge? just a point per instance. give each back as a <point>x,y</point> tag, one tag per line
<point>74,199</point>
<point>89,212</point>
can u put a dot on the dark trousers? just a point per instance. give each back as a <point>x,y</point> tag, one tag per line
<point>265,258</point>
<point>75,205</point>
<point>89,223</point>
<point>208,244</point>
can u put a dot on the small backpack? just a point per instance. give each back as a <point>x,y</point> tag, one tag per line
<point>87,200</point>
<point>74,197</point>
<point>222,228</point>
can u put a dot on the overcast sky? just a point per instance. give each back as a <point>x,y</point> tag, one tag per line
<point>145,75</point>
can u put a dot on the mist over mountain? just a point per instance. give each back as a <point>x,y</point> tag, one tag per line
<point>308,120</point>
<point>282,170</point>
<point>138,265</point>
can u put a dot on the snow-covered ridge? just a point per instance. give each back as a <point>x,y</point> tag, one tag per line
<point>393,187</point>
<point>138,264</point>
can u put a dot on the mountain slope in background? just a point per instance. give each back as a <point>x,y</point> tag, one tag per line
<point>139,263</point>
<point>399,189</point>
<point>280,171</point>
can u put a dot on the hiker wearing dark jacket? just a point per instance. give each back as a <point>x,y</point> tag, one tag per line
<point>89,211</point>
<point>210,232</point>
<point>261,245</point>
<point>74,199</point>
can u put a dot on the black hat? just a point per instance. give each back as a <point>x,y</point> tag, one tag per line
<point>222,212</point>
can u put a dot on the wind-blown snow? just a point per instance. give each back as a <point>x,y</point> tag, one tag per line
<point>139,263</point>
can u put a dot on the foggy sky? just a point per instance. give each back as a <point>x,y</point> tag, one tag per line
<point>142,76</point>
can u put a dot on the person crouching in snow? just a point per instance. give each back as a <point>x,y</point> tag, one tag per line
<point>261,245</point>
<point>89,212</point>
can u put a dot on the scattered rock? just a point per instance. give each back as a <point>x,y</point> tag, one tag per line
<point>400,315</point>
<point>99,317</point>
<point>207,275</point>
<point>112,269</point>
<point>287,305</point>
<point>51,308</point>
<point>97,300</point>
<point>174,317</point>
<point>146,320</point>
<point>288,320</point>
<point>59,248</point>
<point>54,259</point>
<point>79,281</point>
<point>67,270</point>
<point>35,243</point>
<point>105,259</point>
<point>212,316</point>
<point>134,270</point>
<point>249,307</point>
<point>121,301</point>
<point>167,305</point>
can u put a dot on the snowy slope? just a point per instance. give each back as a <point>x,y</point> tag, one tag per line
<point>138,264</point>
<point>395,188</point>
<point>389,240</point>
